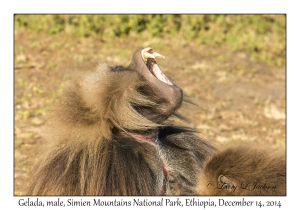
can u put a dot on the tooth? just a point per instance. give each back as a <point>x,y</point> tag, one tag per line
<point>157,55</point>
<point>148,53</point>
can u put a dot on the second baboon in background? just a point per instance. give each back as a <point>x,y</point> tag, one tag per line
<point>243,170</point>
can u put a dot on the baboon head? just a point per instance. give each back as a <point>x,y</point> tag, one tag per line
<point>132,98</point>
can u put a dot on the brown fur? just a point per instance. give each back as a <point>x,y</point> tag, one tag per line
<point>184,153</point>
<point>244,170</point>
<point>91,150</point>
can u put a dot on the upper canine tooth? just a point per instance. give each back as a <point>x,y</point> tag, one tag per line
<point>157,55</point>
<point>148,53</point>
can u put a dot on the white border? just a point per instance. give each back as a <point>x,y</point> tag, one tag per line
<point>153,6</point>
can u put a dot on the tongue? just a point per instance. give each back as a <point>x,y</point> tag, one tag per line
<point>160,75</point>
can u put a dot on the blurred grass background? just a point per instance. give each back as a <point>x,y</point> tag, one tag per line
<point>261,35</point>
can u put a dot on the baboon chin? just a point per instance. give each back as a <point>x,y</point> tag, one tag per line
<point>243,170</point>
<point>110,134</point>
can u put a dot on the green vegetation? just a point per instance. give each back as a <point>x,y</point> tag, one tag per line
<point>264,36</point>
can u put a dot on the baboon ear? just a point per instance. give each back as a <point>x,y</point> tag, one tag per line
<point>224,181</point>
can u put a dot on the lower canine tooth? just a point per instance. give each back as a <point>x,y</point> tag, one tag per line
<point>148,55</point>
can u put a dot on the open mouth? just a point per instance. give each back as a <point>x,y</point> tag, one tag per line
<point>149,56</point>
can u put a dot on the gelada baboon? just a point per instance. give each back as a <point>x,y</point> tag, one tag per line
<point>111,135</point>
<point>243,170</point>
